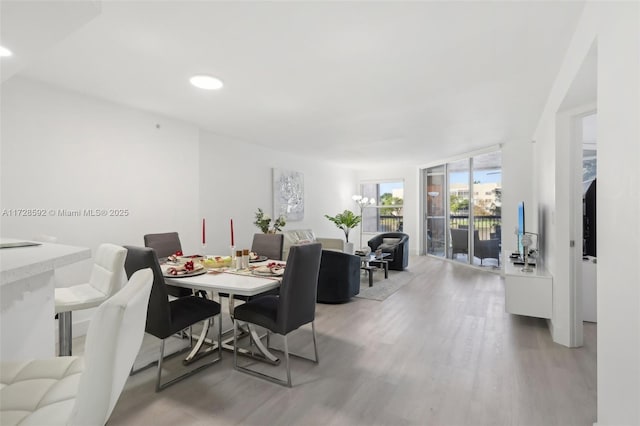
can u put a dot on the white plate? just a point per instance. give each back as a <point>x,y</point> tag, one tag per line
<point>199,270</point>
<point>268,274</point>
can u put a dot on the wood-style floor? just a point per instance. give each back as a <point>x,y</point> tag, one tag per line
<point>440,351</point>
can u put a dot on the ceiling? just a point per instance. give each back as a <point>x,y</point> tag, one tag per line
<point>357,83</point>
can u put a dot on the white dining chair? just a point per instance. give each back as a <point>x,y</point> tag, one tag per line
<point>81,390</point>
<point>106,278</point>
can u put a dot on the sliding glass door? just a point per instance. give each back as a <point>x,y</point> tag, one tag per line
<point>459,201</point>
<point>486,198</point>
<point>435,236</point>
<point>462,204</point>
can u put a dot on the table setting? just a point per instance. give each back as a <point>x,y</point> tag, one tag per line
<point>180,266</point>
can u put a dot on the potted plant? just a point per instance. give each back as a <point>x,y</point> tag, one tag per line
<point>264,220</point>
<point>347,220</point>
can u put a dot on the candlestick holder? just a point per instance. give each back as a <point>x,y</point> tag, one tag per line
<point>233,255</point>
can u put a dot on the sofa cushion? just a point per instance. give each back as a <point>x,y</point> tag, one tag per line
<point>390,241</point>
<point>335,244</point>
<point>293,237</point>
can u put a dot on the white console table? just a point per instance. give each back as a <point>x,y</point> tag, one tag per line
<point>27,310</point>
<point>528,293</point>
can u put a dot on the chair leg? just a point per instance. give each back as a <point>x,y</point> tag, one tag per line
<point>160,386</point>
<point>286,360</point>
<point>235,345</point>
<point>315,344</point>
<point>64,333</point>
<point>153,363</point>
<point>220,335</point>
<point>287,356</point>
<point>159,374</point>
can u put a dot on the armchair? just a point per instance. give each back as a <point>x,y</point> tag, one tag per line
<point>339,277</point>
<point>486,249</point>
<point>395,243</point>
<point>460,242</point>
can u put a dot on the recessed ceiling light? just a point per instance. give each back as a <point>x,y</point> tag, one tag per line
<point>5,52</point>
<point>206,82</point>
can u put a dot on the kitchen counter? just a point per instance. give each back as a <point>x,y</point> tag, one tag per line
<point>27,323</point>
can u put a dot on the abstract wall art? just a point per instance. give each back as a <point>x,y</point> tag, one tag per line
<point>288,194</point>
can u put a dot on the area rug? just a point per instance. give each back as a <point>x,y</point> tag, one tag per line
<point>384,288</point>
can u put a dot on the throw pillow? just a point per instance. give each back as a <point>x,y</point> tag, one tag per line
<point>391,241</point>
<point>387,248</point>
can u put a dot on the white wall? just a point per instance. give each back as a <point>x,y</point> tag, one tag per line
<point>615,28</point>
<point>65,151</point>
<point>618,213</point>
<point>236,180</point>
<point>517,186</point>
<point>62,150</point>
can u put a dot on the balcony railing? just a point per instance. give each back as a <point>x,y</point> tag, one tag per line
<point>488,227</point>
<point>389,223</point>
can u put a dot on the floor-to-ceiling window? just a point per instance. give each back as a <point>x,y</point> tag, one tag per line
<point>435,226</point>
<point>462,205</point>
<point>459,212</point>
<point>486,194</point>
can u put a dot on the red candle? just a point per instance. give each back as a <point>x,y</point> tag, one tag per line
<point>232,244</point>
<point>204,238</point>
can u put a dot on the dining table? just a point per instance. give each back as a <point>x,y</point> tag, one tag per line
<point>234,282</point>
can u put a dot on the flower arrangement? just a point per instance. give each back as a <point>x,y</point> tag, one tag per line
<point>263,221</point>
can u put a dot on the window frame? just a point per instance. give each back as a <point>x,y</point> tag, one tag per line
<point>379,228</point>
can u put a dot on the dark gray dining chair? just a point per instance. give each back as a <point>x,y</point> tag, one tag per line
<point>165,244</point>
<point>269,245</point>
<point>164,317</point>
<point>294,307</point>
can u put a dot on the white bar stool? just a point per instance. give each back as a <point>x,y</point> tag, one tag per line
<point>106,279</point>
